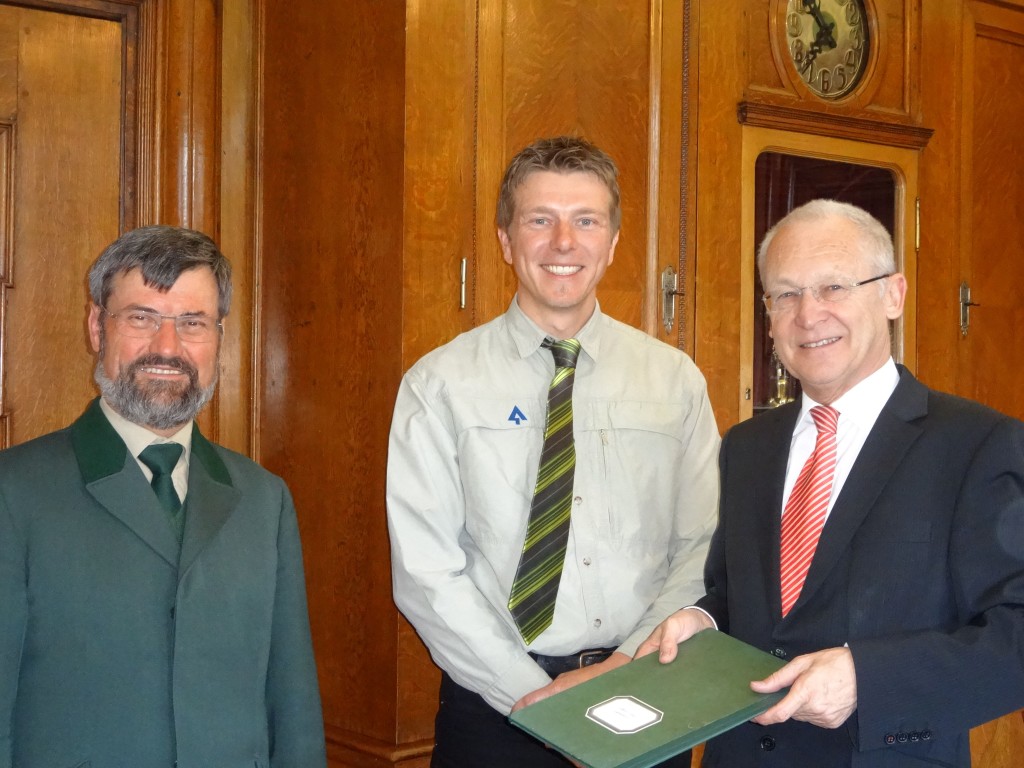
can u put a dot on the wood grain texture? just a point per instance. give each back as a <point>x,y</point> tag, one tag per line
<point>331,335</point>
<point>65,209</point>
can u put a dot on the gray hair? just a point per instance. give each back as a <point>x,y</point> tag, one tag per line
<point>875,242</point>
<point>161,253</point>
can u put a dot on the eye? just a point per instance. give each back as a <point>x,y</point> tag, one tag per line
<point>138,319</point>
<point>586,221</point>
<point>193,323</point>
<point>832,292</point>
<point>786,297</point>
<point>539,221</point>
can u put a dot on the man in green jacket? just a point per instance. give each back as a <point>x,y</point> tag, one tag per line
<point>151,584</point>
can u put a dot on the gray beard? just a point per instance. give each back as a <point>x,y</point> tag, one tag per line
<point>157,404</point>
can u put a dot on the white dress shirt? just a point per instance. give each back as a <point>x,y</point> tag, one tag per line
<point>858,411</point>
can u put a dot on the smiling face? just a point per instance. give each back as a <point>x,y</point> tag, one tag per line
<point>560,243</point>
<point>159,382</point>
<point>830,347</point>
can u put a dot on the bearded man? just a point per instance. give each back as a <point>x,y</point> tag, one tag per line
<point>151,582</point>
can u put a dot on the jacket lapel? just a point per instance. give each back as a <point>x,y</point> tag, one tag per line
<point>773,456</point>
<point>211,499</point>
<point>888,442</point>
<point>112,477</point>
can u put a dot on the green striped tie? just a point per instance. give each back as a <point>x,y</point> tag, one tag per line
<point>532,601</point>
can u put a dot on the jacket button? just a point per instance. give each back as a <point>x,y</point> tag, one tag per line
<point>767,743</point>
<point>779,652</point>
<point>890,738</point>
<point>926,735</point>
<point>902,737</point>
<point>915,736</point>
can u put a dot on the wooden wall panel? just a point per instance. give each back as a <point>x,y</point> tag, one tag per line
<point>330,340</point>
<point>61,177</point>
<point>583,68</point>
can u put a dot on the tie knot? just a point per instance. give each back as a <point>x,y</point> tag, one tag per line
<point>826,418</point>
<point>161,458</point>
<point>565,352</point>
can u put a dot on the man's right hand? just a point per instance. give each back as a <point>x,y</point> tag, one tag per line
<point>672,631</point>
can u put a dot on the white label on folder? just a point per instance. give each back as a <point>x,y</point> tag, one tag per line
<point>624,714</point>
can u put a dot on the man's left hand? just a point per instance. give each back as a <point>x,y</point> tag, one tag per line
<point>567,680</point>
<point>823,689</point>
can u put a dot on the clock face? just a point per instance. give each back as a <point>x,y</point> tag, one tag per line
<point>828,42</point>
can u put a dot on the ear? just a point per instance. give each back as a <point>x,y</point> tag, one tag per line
<point>506,245</point>
<point>95,325</point>
<point>611,250</point>
<point>895,295</point>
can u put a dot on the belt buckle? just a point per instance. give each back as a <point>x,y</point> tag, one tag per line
<point>592,657</point>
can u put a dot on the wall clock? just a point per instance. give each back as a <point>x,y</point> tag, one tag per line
<point>828,42</point>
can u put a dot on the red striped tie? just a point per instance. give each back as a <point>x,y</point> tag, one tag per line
<point>808,502</point>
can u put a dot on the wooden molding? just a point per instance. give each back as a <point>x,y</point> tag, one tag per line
<point>837,126</point>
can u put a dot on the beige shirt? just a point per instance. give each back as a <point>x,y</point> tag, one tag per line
<point>465,446</point>
<point>138,438</point>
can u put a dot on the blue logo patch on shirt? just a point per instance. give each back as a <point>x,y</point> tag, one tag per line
<point>517,415</point>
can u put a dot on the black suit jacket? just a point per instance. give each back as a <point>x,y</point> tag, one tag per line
<point>920,569</point>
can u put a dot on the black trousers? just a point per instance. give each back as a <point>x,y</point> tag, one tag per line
<point>469,733</point>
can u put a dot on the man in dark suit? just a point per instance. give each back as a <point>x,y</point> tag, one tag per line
<point>151,584</point>
<point>871,535</point>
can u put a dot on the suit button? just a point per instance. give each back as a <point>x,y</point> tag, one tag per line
<point>915,736</point>
<point>890,738</point>
<point>779,652</point>
<point>926,735</point>
<point>902,737</point>
<point>767,743</point>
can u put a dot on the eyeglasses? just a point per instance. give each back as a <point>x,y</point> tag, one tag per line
<point>785,301</point>
<point>144,324</point>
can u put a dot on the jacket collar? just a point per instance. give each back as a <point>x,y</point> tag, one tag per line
<point>112,476</point>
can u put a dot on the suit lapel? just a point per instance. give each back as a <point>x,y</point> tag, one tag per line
<point>773,457</point>
<point>888,442</point>
<point>211,499</point>
<point>112,477</point>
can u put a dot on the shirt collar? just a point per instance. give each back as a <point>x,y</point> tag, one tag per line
<point>138,438</point>
<point>527,335</point>
<point>864,401</point>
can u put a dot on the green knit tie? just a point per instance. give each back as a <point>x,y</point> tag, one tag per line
<point>161,458</point>
<point>535,588</point>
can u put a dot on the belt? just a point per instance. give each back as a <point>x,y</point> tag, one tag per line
<point>556,665</point>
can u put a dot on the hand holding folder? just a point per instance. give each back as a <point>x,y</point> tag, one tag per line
<point>645,712</point>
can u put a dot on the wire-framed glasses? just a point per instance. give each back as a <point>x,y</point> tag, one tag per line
<point>144,324</point>
<point>785,301</point>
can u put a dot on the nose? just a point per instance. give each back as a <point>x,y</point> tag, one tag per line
<point>562,237</point>
<point>166,341</point>
<point>810,309</point>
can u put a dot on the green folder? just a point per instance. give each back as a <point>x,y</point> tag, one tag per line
<point>645,712</point>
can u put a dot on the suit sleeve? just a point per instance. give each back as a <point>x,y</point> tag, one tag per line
<point>14,613</point>
<point>715,601</point>
<point>295,720</point>
<point>949,679</point>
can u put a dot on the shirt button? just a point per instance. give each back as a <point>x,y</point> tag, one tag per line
<point>767,743</point>
<point>597,623</point>
<point>577,500</point>
<point>586,561</point>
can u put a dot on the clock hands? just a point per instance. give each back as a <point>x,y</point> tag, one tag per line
<point>823,39</point>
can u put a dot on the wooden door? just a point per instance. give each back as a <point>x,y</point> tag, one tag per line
<point>992,224</point>
<point>60,166</point>
<point>991,355</point>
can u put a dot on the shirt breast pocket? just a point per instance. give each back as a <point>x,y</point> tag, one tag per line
<point>499,443</point>
<point>631,451</point>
